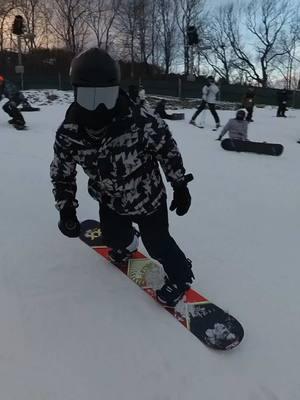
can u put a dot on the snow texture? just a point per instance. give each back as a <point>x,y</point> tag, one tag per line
<point>72,326</point>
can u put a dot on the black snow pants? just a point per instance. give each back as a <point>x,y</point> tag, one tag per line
<point>281,110</point>
<point>11,108</point>
<point>118,233</point>
<point>212,109</point>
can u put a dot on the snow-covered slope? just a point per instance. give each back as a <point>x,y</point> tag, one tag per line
<point>73,328</point>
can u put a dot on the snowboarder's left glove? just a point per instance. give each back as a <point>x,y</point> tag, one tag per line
<point>68,223</point>
<point>181,199</point>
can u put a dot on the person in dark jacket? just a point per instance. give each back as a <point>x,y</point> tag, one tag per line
<point>15,98</point>
<point>133,93</point>
<point>282,97</point>
<point>248,103</point>
<point>120,146</point>
<point>160,109</point>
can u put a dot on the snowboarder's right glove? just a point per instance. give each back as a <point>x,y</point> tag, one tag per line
<point>68,223</point>
<point>181,199</point>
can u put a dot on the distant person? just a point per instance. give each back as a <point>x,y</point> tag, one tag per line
<point>209,98</point>
<point>133,93</point>
<point>237,127</point>
<point>142,95</point>
<point>15,98</point>
<point>248,103</point>
<point>160,110</point>
<point>282,97</point>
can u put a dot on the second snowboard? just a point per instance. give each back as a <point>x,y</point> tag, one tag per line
<point>272,149</point>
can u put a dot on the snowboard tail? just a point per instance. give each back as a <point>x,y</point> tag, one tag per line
<point>209,323</point>
<point>272,149</point>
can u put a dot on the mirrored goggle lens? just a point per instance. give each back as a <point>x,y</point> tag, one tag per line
<point>91,97</point>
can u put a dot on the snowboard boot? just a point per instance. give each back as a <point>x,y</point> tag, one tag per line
<point>218,125</point>
<point>19,124</point>
<point>192,122</point>
<point>120,257</point>
<point>170,293</point>
<point>11,121</point>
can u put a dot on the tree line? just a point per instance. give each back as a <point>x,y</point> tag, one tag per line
<point>253,41</point>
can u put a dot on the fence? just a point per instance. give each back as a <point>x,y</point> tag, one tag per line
<point>173,87</point>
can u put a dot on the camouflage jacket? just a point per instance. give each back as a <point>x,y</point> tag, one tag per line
<point>122,165</point>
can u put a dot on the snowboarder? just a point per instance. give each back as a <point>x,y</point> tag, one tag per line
<point>209,95</point>
<point>120,146</point>
<point>282,97</point>
<point>248,103</point>
<point>133,93</point>
<point>15,97</point>
<point>142,95</point>
<point>160,110</point>
<point>237,127</point>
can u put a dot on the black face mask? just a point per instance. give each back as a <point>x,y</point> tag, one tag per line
<point>240,117</point>
<point>95,120</point>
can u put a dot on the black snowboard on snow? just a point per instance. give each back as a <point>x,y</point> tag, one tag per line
<point>29,109</point>
<point>272,149</point>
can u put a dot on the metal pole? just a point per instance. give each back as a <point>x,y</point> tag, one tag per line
<point>20,60</point>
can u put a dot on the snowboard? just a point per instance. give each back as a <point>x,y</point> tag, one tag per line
<point>209,323</point>
<point>202,127</point>
<point>272,149</point>
<point>29,109</point>
<point>20,127</point>
<point>17,126</point>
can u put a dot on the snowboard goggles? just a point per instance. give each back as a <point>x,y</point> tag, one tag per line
<point>91,97</point>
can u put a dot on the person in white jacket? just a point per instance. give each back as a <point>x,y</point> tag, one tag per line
<point>209,96</point>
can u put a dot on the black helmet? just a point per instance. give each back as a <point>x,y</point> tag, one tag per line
<point>94,68</point>
<point>95,76</point>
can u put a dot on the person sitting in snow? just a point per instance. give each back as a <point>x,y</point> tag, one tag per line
<point>237,127</point>
<point>15,97</point>
<point>120,146</point>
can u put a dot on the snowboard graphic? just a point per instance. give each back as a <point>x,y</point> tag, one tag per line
<point>208,322</point>
<point>272,149</point>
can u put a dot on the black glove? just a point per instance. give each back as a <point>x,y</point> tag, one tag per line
<point>68,223</point>
<point>181,199</point>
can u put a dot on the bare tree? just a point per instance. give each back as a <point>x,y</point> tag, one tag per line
<point>290,42</point>
<point>167,11</point>
<point>190,12</point>
<point>220,57</point>
<point>101,18</point>
<point>265,21</point>
<point>69,23</point>
<point>127,21</point>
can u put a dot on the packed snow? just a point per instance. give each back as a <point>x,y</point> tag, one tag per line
<point>74,328</point>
